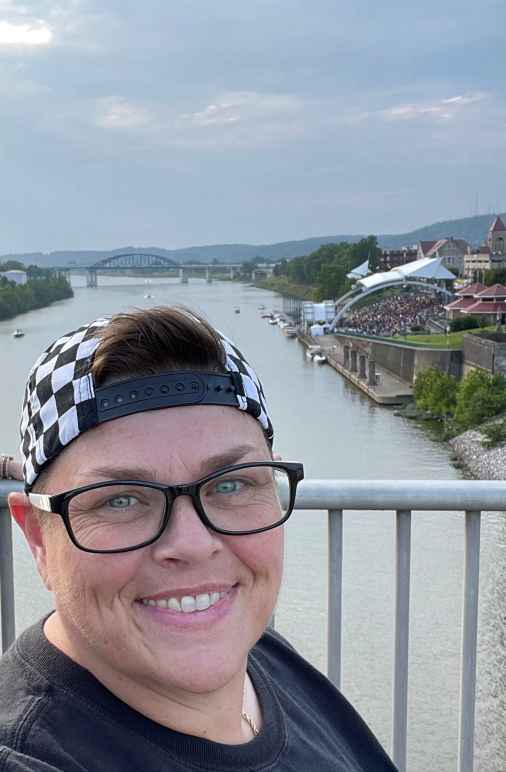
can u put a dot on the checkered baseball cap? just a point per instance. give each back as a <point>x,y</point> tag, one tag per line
<point>62,401</point>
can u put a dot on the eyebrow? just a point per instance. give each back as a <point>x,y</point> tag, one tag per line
<point>209,464</point>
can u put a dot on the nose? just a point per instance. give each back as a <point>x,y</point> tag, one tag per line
<point>186,538</point>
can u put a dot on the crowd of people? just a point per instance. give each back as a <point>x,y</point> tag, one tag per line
<point>396,314</point>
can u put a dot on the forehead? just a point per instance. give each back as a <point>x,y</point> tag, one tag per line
<point>174,444</point>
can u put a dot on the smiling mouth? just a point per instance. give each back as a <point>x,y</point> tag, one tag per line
<point>187,604</point>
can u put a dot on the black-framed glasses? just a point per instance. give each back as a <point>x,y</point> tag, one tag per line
<point>124,515</point>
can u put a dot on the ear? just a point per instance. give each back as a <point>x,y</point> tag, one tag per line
<point>27,519</point>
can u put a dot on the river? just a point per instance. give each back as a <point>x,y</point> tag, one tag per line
<point>338,433</point>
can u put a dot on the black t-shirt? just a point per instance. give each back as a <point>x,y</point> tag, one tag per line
<point>56,716</point>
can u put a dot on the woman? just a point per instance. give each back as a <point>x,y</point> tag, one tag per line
<point>154,509</point>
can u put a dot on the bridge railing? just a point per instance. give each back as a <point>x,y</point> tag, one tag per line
<point>336,496</point>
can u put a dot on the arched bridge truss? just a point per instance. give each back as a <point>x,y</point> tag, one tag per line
<point>144,261</point>
<point>358,293</point>
<point>134,260</point>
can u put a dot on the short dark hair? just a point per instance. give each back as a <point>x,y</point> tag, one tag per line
<point>156,340</point>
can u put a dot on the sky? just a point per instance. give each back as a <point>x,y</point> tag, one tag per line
<point>184,123</point>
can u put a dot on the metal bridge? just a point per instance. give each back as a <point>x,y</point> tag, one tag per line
<point>146,262</point>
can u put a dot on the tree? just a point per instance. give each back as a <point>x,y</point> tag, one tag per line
<point>495,276</point>
<point>480,396</point>
<point>366,249</point>
<point>435,392</point>
<point>12,265</point>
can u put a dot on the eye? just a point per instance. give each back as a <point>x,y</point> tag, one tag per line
<point>122,502</point>
<point>228,486</point>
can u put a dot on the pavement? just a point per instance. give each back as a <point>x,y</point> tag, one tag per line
<point>388,390</point>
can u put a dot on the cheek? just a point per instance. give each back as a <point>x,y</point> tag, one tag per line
<point>262,554</point>
<point>75,574</point>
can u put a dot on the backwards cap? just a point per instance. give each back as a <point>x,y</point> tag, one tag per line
<point>62,401</point>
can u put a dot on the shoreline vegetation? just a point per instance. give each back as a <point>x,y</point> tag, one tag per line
<point>323,273</point>
<point>41,289</point>
<point>469,415</point>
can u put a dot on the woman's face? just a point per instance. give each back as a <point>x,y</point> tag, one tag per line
<point>99,597</point>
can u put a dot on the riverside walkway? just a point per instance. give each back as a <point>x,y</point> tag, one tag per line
<point>383,387</point>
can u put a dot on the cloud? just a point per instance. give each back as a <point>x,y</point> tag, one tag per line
<point>118,113</point>
<point>37,33</point>
<point>443,109</point>
<point>244,106</point>
<point>233,119</point>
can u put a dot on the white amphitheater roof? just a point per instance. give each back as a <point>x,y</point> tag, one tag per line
<point>359,271</point>
<point>426,268</point>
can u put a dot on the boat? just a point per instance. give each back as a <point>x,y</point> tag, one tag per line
<point>237,310</point>
<point>320,359</point>
<point>148,296</point>
<point>290,331</point>
<point>18,333</point>
<point>272,321</point>
<point>312,351</point>
<point>261,308</point>
<point>266,315</point>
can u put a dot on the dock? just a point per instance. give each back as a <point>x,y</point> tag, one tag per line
<point>377,382</point>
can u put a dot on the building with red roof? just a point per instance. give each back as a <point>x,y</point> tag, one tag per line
<point>491,255</point>
<point>470,290</point>
<point>496,237</point>
<point>480,301</point>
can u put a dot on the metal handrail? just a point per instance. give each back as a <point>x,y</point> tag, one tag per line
<point>402,497</point>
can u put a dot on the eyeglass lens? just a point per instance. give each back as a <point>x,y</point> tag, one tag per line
<point>125,515</point>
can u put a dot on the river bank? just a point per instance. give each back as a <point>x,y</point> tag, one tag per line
<point>476,461</point>
<point>36,293</point>
<point>284,286</point>
<point>469,453</point>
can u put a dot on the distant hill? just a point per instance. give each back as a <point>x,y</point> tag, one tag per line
<point>473,229</point>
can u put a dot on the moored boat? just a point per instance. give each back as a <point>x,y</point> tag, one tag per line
<point>311,351</point>
<point>18,333</point>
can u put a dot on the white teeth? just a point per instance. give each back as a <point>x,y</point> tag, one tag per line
<point>188,603</point>
<point>203,601</point>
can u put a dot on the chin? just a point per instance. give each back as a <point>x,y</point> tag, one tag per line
<point>197,676</point>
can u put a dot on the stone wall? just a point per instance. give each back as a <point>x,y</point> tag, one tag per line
<point>404,361</point>
<point>484,353</point>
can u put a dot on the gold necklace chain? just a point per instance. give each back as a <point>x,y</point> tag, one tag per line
<point>250,723</point>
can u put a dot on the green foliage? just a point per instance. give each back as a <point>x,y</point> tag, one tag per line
<point>463,404</point>
<point>480,396</point>
<point>36,293</point>
<point>436,392</point>
<point>495,276</point>
<point>12,265</point>
<point>327,267</point>
<point>464,323</point>
<point>495,433</point>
